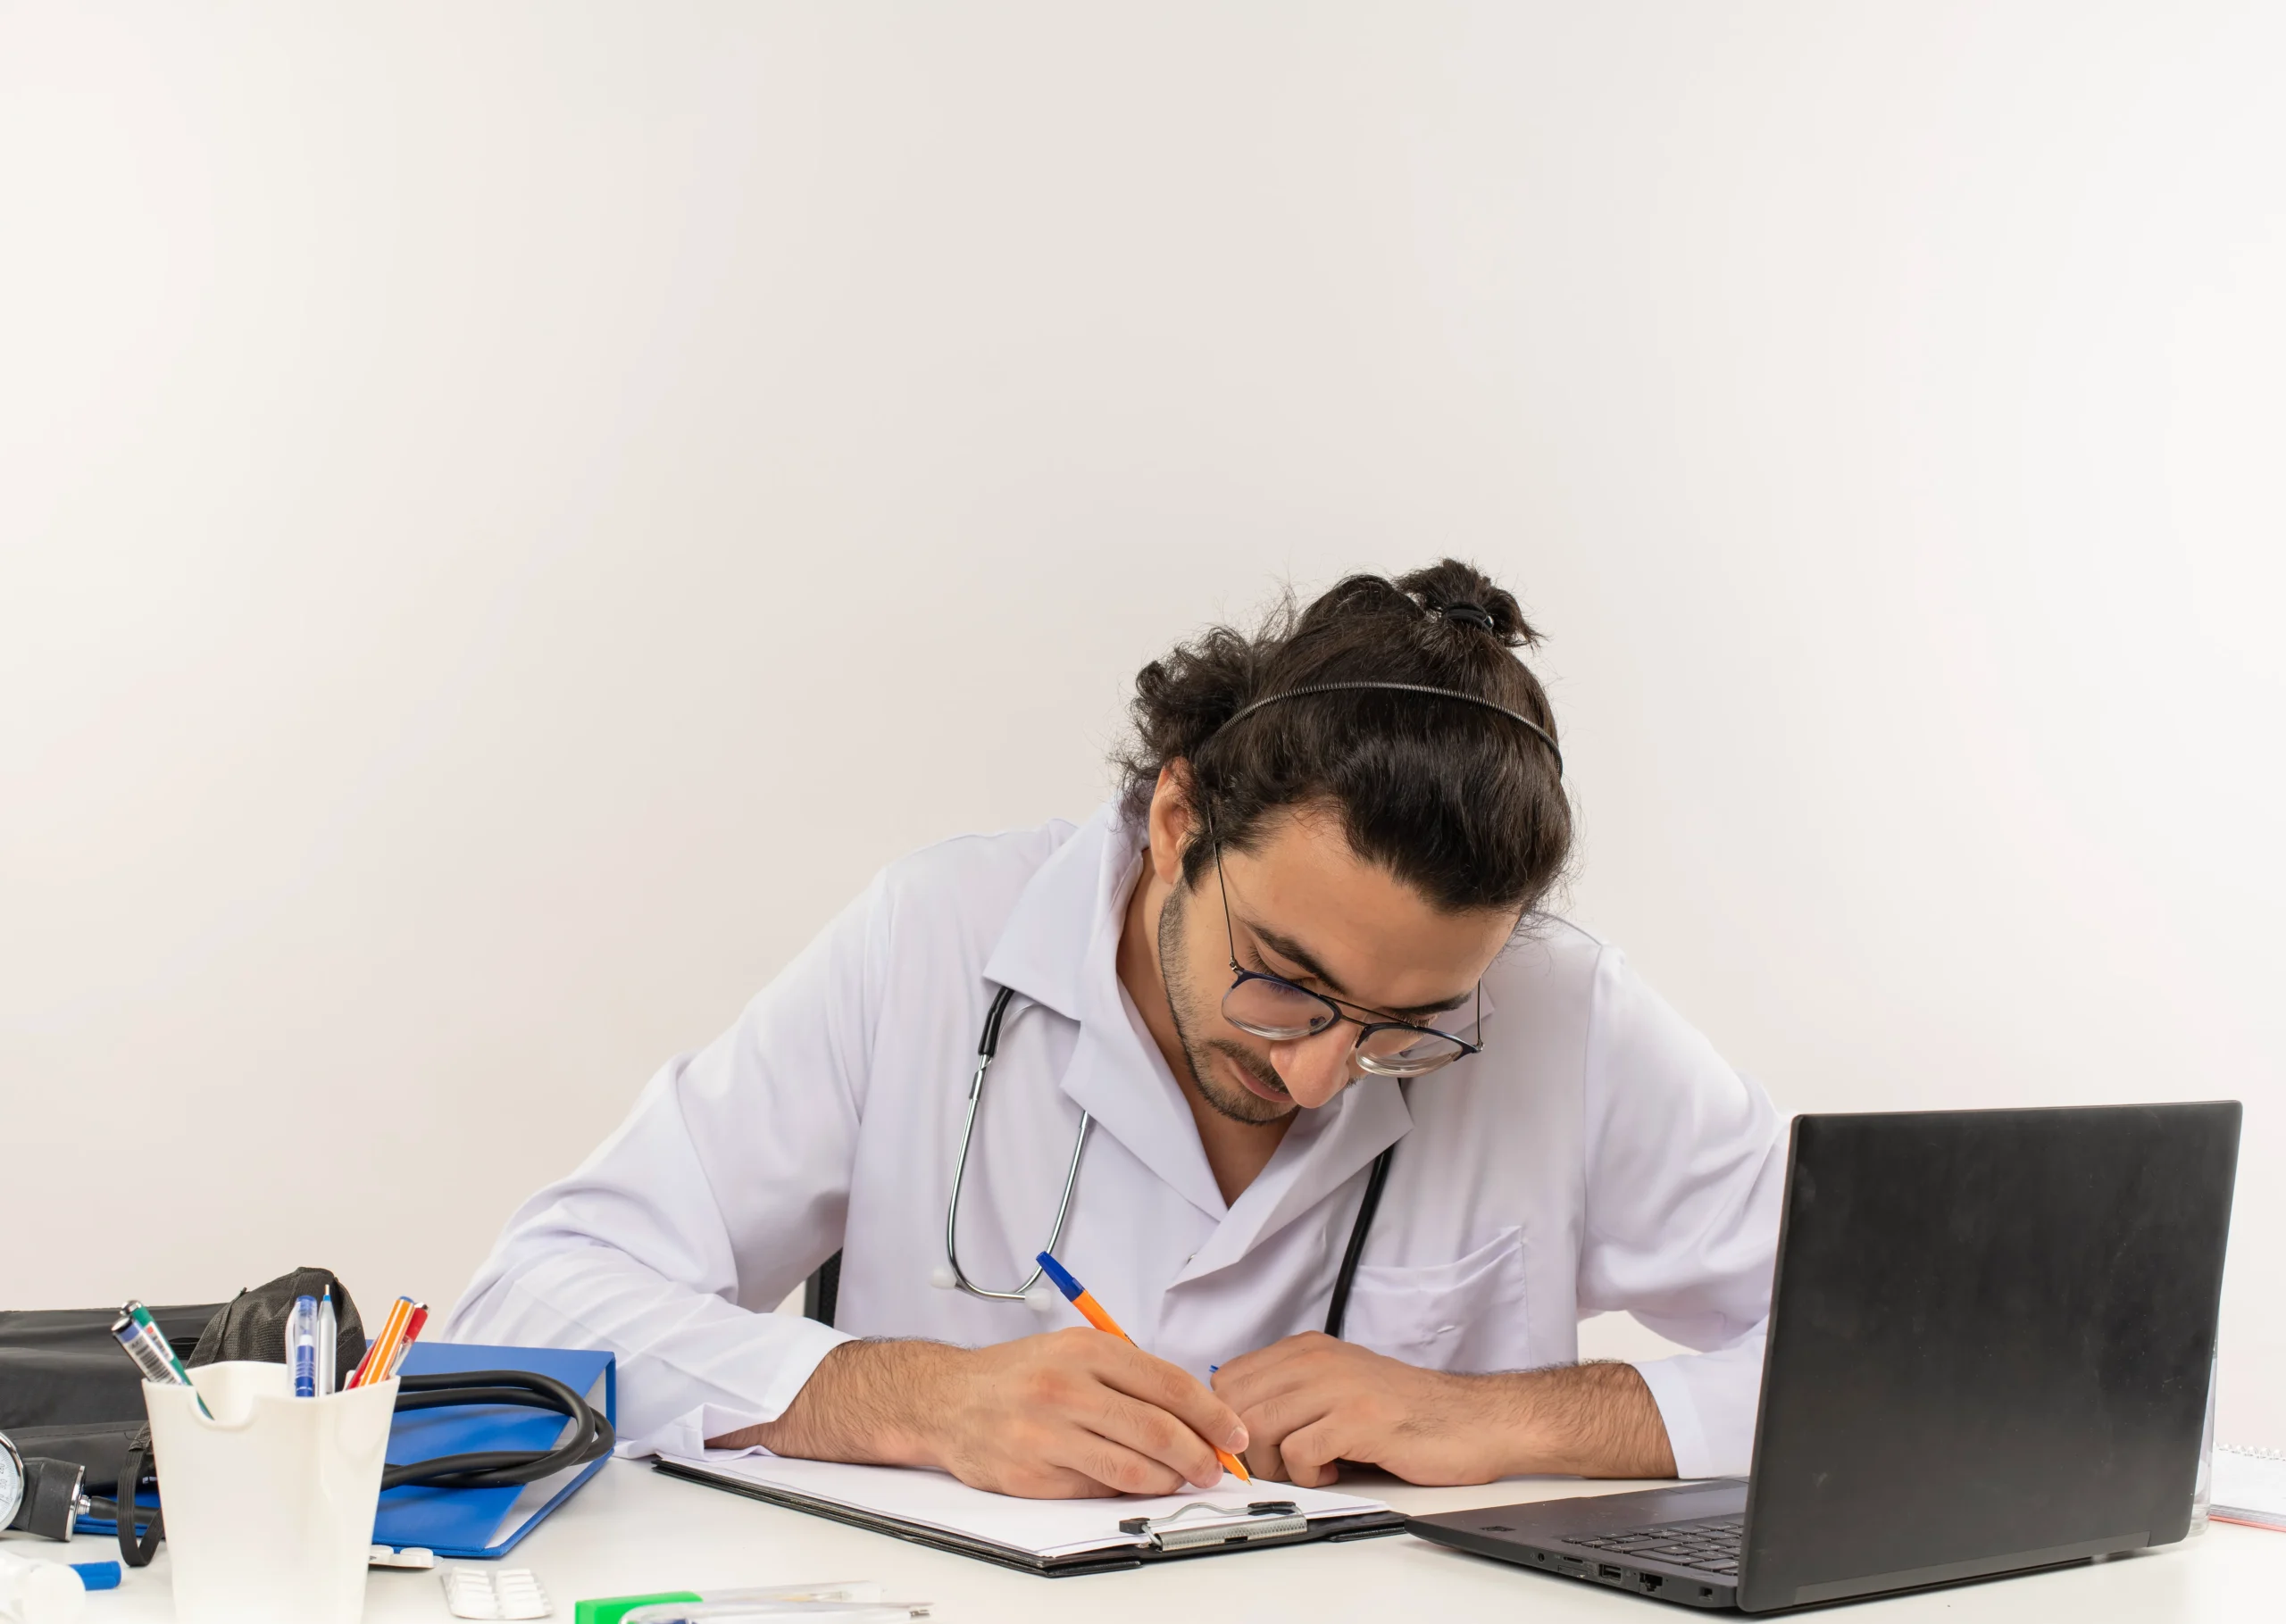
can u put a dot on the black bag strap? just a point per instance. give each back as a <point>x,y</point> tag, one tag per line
<point>134,1471</point>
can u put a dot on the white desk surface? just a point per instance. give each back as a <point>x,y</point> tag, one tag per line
<point>631,1531</point>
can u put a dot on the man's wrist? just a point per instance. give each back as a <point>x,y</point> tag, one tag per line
<point>870,1403</point>
<point>1591,1421</point>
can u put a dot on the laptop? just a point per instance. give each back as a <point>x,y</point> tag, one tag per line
<point>1991,1335</point>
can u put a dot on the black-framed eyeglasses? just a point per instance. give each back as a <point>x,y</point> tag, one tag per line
<point>1271,1006</point>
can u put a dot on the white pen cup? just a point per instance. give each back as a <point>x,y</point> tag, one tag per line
<point>269,1502</point>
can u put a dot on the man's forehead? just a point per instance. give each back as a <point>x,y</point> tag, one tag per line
<point>1301,890</point>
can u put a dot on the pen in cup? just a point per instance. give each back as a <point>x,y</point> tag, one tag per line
<point>329,1343</point>
<point>302,1346</point>
<point>389,1348</point>
<point>1095,1313</point>
<point>412,1328</point>
<point>137,1333</point>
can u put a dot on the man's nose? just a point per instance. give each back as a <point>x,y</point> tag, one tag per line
<point>1314,1069</point>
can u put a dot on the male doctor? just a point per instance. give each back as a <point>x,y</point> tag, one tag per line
<point>1328,1067</point>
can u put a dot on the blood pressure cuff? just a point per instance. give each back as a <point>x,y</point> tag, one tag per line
<point>68,1392</point>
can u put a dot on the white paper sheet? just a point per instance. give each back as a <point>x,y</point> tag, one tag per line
<point>1039,1528</point>
<point>2251,1485</point>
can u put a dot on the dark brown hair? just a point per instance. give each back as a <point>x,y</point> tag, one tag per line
<point>1457,801</point>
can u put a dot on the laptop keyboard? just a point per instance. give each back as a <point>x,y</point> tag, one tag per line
<point>1711,1546</point>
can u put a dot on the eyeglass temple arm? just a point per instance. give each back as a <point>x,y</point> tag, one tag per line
<point>1229,931</point>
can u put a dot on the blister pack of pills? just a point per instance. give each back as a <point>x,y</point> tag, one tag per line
<point>488,1592</point>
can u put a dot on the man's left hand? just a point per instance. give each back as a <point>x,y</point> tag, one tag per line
<point>1312,1400</point>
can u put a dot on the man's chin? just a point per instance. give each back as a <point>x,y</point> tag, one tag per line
<point>1235,1101</point>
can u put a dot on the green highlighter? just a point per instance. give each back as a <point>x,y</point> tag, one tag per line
<point>860,1597</point>
<point>610,1609</point>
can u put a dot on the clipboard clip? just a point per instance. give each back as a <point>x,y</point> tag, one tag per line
<point>1219,1525</point>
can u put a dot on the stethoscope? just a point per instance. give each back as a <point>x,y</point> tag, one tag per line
<point>953,1277</point>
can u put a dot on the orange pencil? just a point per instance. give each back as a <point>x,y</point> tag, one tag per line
<point>1094,1313</point>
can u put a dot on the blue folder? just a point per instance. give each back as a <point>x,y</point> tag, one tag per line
<point>474,1522</point>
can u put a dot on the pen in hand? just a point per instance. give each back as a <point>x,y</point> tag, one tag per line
<point>1093,1312</point>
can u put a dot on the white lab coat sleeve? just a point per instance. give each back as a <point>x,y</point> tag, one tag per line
<point>725,1185</point>
<point>1685,1164</point>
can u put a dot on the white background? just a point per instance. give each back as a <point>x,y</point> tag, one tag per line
<point>509,513</point>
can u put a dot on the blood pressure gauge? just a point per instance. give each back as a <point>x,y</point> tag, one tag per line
<point>40,1496</point>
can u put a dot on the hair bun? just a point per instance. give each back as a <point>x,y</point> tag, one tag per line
<point>1465,596</point>
<point>1465,806</point>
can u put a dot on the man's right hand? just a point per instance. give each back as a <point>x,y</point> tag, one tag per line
<point>1070,1414</point>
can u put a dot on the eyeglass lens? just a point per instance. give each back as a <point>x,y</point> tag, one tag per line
<point>1282,1013</point>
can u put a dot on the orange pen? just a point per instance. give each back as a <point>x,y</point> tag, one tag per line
<point>413,1321</point>
<point>383,1348</point>
<point>1093,1312</point>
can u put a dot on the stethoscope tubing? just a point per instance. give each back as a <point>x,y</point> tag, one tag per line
<point>988,1046</point>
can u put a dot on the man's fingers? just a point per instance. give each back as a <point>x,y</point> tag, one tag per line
<point>1119,1470</point>
<point>1174,1390</point>
<point>1274,1420</point>
<point>1310,1455</point>
<point>1264,1460</point>
<point>1277,1408</point>
<point>1250,1390</point>
<point>1245,1382</point>
<point>1037,1480</point>
<point>1150,1431</point>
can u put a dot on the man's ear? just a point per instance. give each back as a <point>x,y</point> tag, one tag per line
<point>1173,822</point>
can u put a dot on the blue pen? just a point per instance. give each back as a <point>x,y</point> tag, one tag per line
<point>301,1346</point>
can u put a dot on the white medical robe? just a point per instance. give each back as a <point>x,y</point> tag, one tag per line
<point>1599,1155</point>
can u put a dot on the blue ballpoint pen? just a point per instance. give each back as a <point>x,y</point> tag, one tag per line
<point>301,1346</point>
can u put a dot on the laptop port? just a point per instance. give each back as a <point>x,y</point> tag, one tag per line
<point>1649,1581</point>
<point>1610,1572</point>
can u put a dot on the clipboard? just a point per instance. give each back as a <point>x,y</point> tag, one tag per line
<point>1110,1535</point>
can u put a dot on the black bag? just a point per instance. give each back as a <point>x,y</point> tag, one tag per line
<point>68,1392</point>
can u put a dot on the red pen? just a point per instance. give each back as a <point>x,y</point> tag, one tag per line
<point>404,1342</point>
<point>381,1354</point>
